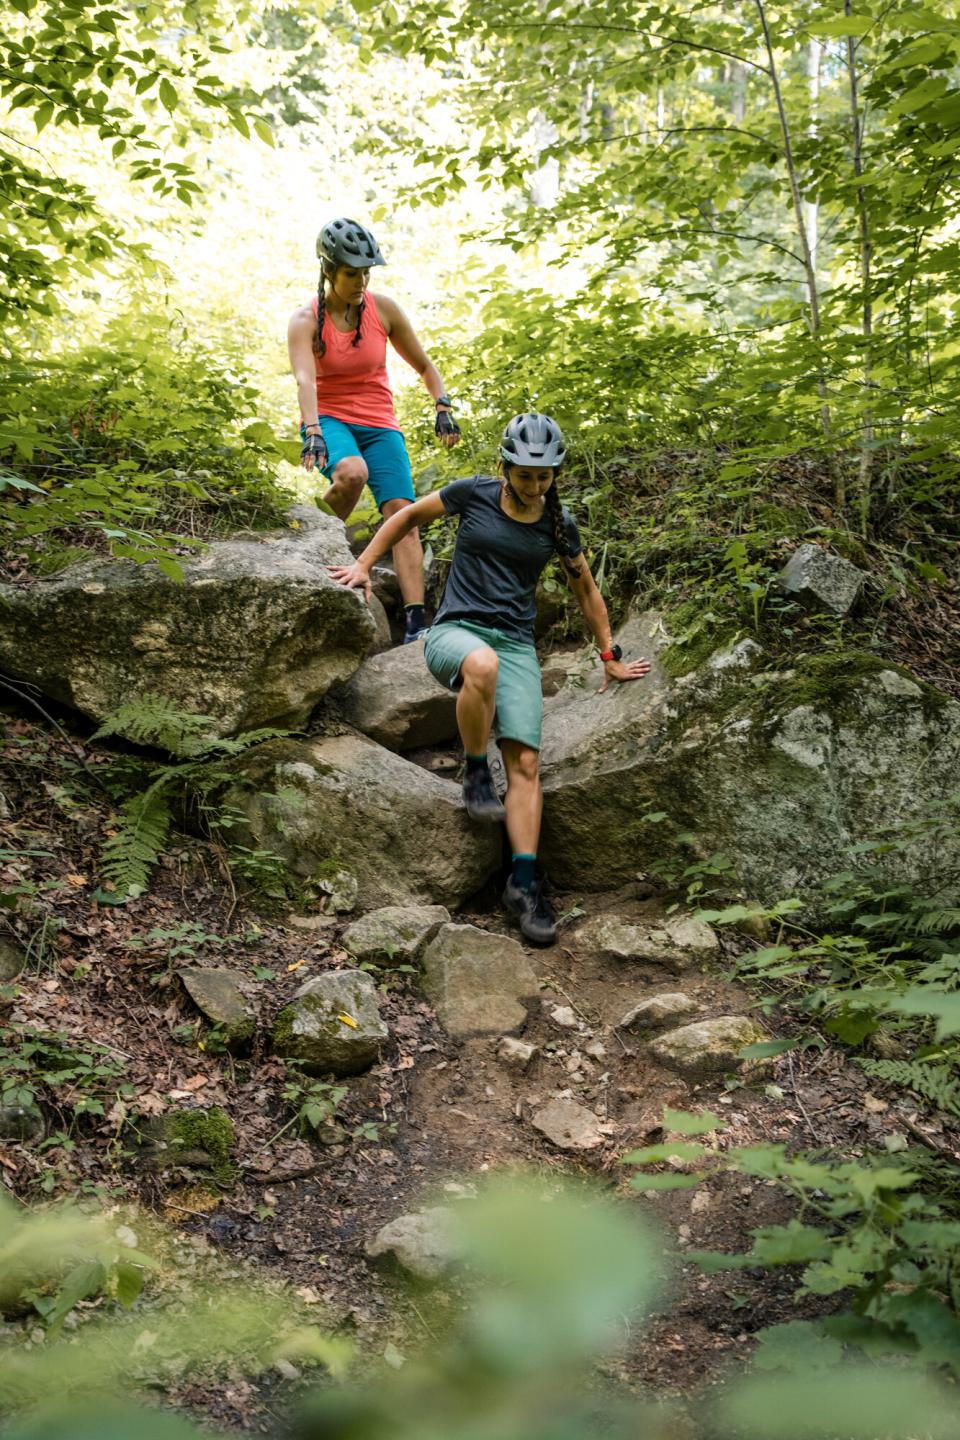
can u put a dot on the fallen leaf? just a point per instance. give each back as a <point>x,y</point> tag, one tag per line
<point>77,881</point>
<point>295,966</point>
<point>196,1082</point>
<point>348,1020</point>
<point>308,1295</point>
<point>406,1062</point>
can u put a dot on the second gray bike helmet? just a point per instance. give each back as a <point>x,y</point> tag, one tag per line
<point>533,440</point>
<point>346,242</point>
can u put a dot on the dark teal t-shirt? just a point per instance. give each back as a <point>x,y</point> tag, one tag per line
<point>497,561</point>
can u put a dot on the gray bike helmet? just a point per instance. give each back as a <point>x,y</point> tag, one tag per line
<point>533,440</point>
<point>345,242</point>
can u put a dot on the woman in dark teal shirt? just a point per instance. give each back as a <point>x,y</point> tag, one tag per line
<point>482,642</point>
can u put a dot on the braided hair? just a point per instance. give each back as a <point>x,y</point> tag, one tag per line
<point>319,344</point>
<point>560,539</point>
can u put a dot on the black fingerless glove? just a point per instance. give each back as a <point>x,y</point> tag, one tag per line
<point>445,423</point>
<point>316,446</point>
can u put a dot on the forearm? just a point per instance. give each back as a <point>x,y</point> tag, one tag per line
<point>595,614</point>
<point>430,376</point>
<point>386,537</point>
<point>307,398</point>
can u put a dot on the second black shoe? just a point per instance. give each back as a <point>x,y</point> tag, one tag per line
<point>481,798</point>
<point>533,911</point>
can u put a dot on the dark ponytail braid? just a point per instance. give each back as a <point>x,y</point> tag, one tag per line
<point>360,308</point>
<point>555,510</point>
<point>319,344</point>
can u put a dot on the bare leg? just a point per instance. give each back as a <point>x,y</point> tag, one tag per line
<point>407,558</point>
<point>477,699</point>
<point>346,483</point>
<point>524,800</point>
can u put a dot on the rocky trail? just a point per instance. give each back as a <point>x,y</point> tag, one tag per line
<point>433,1047</point>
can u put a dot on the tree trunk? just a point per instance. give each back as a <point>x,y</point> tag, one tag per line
<point>813,293</point>
<point>863,220</point>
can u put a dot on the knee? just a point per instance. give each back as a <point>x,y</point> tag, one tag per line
<point>349,476</point>
<point>480,668</point>
<point>525,765</point>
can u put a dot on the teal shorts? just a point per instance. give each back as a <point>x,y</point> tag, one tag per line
<point>519,711</point>
<point>384,451</point>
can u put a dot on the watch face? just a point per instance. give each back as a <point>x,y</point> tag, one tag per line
<point>617,653</point>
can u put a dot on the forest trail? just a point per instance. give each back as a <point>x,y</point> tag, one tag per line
<point>420,1128</point>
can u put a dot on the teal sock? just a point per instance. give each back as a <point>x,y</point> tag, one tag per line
<point>524,871</point>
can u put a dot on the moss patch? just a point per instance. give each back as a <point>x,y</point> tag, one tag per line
<point>698,634</point>
<point>211,1131</point>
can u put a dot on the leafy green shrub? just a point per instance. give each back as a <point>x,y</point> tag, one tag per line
<point>139,443</point>
<point>72,1077</point>
<point>864,1229</point>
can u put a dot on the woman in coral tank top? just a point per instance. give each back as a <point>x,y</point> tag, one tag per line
<point>338,352</point>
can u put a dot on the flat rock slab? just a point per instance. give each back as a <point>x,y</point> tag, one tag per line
<point>332,1024</point>
<point>707,1048</point>
<point>394,935</point>
<point>821,580</point>
<point>422,1243</point>
<point>344,803</point>
<point>217,995</point>
<point>476,981</point>
<point>657,1011</point>
<point>395,700</point>
<point>255,633</point>
<point>677,942</point>
<point>567,1125</point>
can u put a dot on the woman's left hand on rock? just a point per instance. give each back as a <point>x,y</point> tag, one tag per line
<point>354,577</point>
<point>623,670</point>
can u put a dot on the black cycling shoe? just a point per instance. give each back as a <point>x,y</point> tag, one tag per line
<point>533,911</point>
<point>481,798</point>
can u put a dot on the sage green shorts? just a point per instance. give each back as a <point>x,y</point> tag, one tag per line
<point>519,709</point>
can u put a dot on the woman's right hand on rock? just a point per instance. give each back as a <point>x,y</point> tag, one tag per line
<point>354,577</point>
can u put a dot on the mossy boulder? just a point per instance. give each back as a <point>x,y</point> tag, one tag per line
<point>255,634</point>
<point>199,1139</point>
<point>778,773</point>
<point>394,935</point>
<point>332,1025</point>
<point>395,700</point>
<point>348,803</point>
<point>707,1048</point>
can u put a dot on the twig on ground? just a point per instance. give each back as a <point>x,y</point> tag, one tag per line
<point>800,1105</point>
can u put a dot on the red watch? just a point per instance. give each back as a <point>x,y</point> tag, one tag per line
<point>615,653</point>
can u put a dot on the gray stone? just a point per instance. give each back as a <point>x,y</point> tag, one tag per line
<point>332,1024</point>
<point>516,1054</point>
<point>821,580</point>
<point>255,634</point>
<point>346,803</point>
<point>217,995</point>
<point>12,960</point>
<point>567,1125</point>
<point>676,942</point>
<point>395,700</point>
<point>781,773</point>
<point>422,1243</point>
<point>476,980</point>
<point>707,1047</point>
<point>394,935</point>
<point>657,1011</point>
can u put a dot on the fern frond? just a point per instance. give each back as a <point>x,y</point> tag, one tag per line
<point>937,1083</point>
<point>221,745</point>
<point>937,921</point>
<point>130,854</point>
<point>152,719</point>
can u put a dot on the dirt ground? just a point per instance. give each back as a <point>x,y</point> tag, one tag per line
<point>437,1113</point>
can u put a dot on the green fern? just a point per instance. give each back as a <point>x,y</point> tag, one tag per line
<point>937,921</point>
<point>152,719</point>
<point>936,1083</point>
<point>145,819</point>
<point>130,854</point>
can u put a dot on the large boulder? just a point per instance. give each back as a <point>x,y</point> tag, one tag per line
<point>346,804</point>
<point>255,633</point>
<point>780,772</point>
<point>395,700</point>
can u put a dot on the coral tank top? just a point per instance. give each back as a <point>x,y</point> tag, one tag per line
<point>352,382</point>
